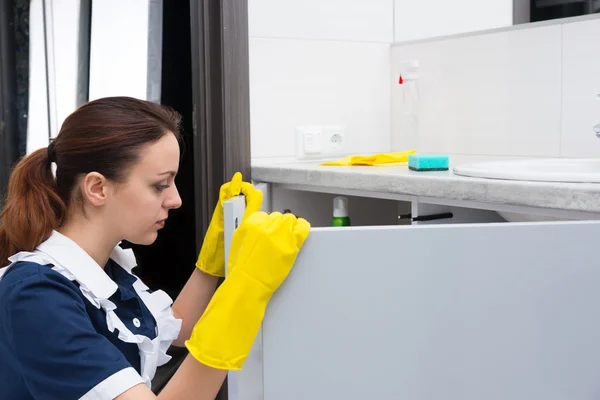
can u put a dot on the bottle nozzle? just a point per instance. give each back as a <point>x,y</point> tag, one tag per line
<point>340,206</point>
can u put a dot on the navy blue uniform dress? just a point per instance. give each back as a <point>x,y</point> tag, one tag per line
<point>55,341</point>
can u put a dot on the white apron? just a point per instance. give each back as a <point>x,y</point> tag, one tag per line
<point>76,265</point>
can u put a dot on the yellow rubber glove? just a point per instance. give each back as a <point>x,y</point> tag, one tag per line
<point>212,254</point>
<point>263,251</point>
<point>374,159</point>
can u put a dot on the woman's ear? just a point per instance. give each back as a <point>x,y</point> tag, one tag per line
<point>95,189</point>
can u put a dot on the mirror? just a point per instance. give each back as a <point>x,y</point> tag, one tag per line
<point>526,11</point>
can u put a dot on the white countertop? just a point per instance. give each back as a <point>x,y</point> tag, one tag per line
<point>400,180</point>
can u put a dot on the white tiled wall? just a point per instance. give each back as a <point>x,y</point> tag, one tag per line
<point>319,62</point>
<point>496,94</point>
<point>342,20</point>
<point>581,89</point>
<point>300,82</point>
<point>418,19</point>
<point>327,62</point>
<point>530,92</point>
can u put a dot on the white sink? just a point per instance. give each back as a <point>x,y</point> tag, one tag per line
<point>572,170</point>
<point>566,170</point>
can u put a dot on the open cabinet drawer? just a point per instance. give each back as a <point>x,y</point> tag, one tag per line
<point>457,311</point>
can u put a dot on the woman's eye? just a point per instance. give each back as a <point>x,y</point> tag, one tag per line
<point>160,188</point>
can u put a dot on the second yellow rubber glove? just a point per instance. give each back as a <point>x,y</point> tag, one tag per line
<point>212,257</point>
<point>263,251</point>
<point>374,159</point>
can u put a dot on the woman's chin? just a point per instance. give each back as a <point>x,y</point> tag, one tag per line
<point>144,240</point>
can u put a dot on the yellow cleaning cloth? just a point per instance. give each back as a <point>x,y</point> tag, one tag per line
<point>374,159</point>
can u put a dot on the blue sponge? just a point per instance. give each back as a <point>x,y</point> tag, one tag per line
<point>427,162</point>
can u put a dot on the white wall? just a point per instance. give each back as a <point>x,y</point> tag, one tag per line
<point>580,89</point>
<point>419,19</point>
<point>479,94</point>
<point>527,92</point>
<point>327,62</point>
<point>319,62</point>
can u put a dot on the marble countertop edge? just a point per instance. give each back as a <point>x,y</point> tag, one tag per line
<point>438,184</point>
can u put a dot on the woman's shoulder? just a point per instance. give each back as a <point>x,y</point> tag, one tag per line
<point>29,275</point>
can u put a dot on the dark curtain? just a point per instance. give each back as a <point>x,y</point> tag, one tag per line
<point>21,28</point>
<point>14,54</point>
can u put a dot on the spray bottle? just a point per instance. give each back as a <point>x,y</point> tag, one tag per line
<point>409,102</point>
<point>340,212</point>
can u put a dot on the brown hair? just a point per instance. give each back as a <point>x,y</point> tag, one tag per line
<point>105,136</point>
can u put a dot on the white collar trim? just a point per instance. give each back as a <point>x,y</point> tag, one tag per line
<point>82,267</point>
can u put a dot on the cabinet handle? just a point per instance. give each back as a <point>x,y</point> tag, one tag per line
<point>430,217</point>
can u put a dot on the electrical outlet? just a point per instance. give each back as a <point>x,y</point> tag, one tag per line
<point>313,143</point>
<point>308,142</point>
<point>318,142</point>
<point>335,141</point>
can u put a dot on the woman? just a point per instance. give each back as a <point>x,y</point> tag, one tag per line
<point>74,321</point>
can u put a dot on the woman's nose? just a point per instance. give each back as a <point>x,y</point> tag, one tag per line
<point>173,201</point>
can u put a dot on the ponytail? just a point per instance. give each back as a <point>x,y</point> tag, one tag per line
<point>33,207</point>
<point>118,126</point>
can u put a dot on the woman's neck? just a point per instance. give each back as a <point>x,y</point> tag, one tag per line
<point>91,238</point>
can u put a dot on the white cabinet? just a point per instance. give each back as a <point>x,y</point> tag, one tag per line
<point>452,311</point>
<point>580,89</point>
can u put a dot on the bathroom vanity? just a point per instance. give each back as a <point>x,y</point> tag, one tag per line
<point>468,307</point>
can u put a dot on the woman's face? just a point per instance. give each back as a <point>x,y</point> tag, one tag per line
<point>140,206</point>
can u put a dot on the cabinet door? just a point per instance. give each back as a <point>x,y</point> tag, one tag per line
<point>248,383</point>
<point>469,312</point>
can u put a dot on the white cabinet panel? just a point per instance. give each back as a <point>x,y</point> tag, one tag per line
<point>466,311</point>
<point>581,89</point>
<point>469,312</point>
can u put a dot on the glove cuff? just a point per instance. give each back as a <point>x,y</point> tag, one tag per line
<point>225,333</point>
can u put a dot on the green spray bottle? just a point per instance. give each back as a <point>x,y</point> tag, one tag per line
<point>340,212</point>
